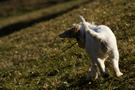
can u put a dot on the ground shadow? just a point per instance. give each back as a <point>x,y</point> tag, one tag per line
<point>18,26</point>
<point>3,0</point>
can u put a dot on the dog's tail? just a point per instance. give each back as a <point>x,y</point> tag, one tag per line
<point>83,20</point>
<point>90,31</point>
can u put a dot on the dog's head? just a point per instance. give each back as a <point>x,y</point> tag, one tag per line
<point>74,32</point>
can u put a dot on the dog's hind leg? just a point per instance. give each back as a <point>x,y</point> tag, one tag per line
<point>115,62</point>
<point>94,73</point>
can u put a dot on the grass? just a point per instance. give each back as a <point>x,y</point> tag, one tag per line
<point>43,13</point>
<point>36,58</point>
<point>15,7</point>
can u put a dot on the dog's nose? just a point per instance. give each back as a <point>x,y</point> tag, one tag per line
<point>60,35</point>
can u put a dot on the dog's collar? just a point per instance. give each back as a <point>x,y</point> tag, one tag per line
<point>84,36</point>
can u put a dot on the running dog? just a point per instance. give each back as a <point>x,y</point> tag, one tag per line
<point>100,44</point>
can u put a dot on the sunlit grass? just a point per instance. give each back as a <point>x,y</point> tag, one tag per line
<point>36,58</point>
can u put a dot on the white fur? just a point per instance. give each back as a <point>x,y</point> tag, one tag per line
<point>100,44</point>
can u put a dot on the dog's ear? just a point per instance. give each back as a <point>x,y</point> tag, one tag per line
<point>76,28</point>
<point>70,33</point>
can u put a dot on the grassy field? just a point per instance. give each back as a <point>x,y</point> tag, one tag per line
<point>36,58</point>
<point>17,22</point>
<point>19,7</point>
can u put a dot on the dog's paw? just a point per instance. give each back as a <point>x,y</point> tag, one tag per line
<point>119,74</point>
<point>88,78</point>
<point>106,75</point>
<point>91,78</point>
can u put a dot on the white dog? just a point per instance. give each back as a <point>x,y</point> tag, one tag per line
<point>100,44</point>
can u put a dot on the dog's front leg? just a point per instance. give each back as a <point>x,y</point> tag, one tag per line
<point>103,70</point>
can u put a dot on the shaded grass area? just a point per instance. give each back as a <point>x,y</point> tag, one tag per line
<point>36,58</point>
<point>20,22</point>
<point>19,7</point>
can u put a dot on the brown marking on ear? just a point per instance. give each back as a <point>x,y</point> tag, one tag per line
<point>76,28</point>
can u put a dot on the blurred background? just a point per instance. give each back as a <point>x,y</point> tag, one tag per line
<point>18,14</point>
<point>17,7</point>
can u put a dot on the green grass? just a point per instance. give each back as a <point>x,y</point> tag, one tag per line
<point>36,58</point>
